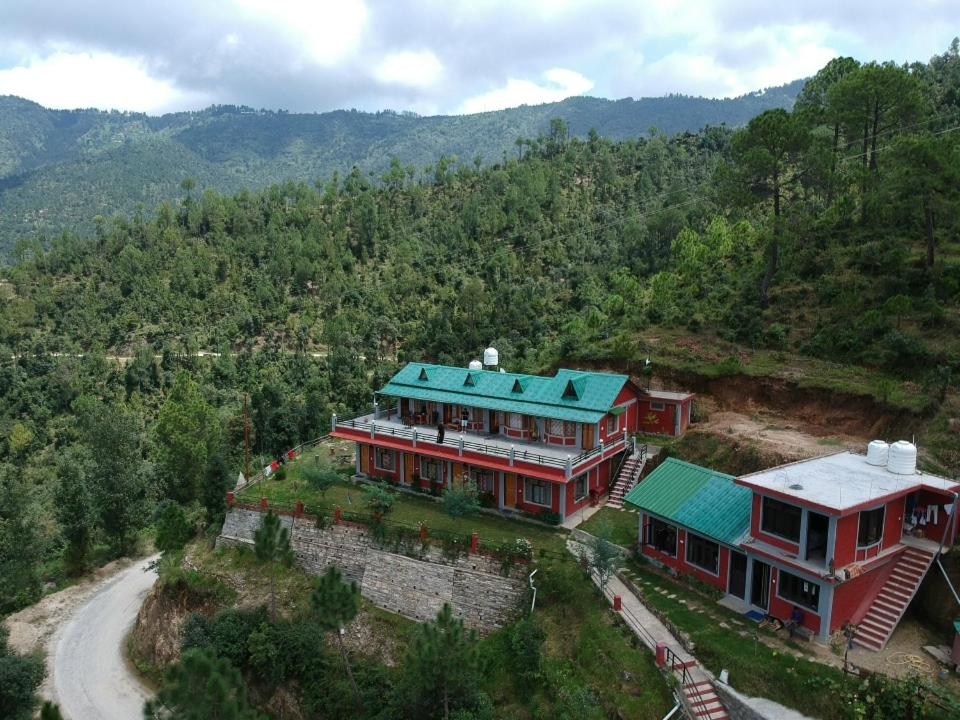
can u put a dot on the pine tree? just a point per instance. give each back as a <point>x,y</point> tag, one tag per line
<point>271,544</point>
<point>49,711</point>
<point>335,603</point>
<point>441,667</point>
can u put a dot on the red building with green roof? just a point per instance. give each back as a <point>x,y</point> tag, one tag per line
<point>840,539</point>
<point>530,443</point>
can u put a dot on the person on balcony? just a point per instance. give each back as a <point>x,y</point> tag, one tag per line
<point>464,419</point>
<point>440,432</point>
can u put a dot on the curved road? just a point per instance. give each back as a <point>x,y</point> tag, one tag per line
<point>92,679</point>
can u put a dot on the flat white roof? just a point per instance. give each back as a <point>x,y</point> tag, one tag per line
<point>667,395</point>
<point>840,481</point>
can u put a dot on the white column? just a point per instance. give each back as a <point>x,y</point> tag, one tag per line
<point>563,500</point>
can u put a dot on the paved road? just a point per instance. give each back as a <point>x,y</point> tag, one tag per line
<point>91,677</point>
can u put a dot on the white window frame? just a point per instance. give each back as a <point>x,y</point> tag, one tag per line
<point>883,527</point>
<point>515,418</point>
<point>528,484</point>
<point>686,553</point>
<point>585,479</point>
<point>613,425</point>
<point>805,608</point>
<point>658,406</point>
<point>393,459</point>
<point>425,462</point>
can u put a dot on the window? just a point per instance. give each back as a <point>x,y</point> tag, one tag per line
<point>781,519</point>
<point>561,428</point>
<point>799,591</point>
<point>538,492</point>
<point>385,459</point>
<point>871,527</point>
<point>431,470</point>
<point>703,553</point>
<point>483,478</point>
<point>657,406</point>
<point>662,536</point>
<point>581,485</point>
<point>515,421</point>
<point>613,424</point>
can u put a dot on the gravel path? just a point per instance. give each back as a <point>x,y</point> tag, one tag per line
<point>91,677</point>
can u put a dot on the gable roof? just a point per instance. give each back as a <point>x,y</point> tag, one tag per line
<point>698,498</point>
<point>594,396</point>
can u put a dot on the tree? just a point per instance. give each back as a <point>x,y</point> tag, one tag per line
<point>320,478</point>
<point>20,676</point>
<point>766,155</point>
<point>604,557</point>
<point>460,499</point>
<point>441,668</point>
<point>21,546</point>
<point>924,179</point>
<point>201,686</point>
<point>173,529</point>
<point>188,435</point>
<point>271,544</point>
<point>75,507</point>
<point>335,604</point>
<point>379,499</point>
<point>49,711</point>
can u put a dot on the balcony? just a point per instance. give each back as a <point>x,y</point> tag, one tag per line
<point>553,461</point>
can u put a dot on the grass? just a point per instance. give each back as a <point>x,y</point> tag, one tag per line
<point>586,646</point>
<point>617,526</point>
<point>408,509</point>
<point>755,668</point>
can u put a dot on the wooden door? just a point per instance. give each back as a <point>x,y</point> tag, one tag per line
<point>408,467</point>
<point>588,436</point>
<point>365,459</point>
<point>510,499</point>
<point>457,474</point>
<point>447,413</point>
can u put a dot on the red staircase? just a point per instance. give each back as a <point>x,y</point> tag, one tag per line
<point>627,479</point>
<point>891,602</point>
<point>703,701</point>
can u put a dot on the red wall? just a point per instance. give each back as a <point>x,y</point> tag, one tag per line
<point>782,609</point>
<point>773,540</point>
<point>846,542</point>
<point>852,599</point>
<point>666,418</point>
<point>893,522</point>
<point>537,509</point>
<point>680,564</point>
<point>599,482</point>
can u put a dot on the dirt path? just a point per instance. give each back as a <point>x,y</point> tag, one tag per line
<point>83,629</point>
<point>778,434</point>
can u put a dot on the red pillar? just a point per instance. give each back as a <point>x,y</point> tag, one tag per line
<point>424,533</point>
<point>474,543</point>
<point>264,505</point>
<point>299,510</point>
<point>230,499</point>
<point>661,654</point>
<point>617,603</point>
<point>337,512</point>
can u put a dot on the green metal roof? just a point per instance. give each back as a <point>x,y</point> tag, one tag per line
<point>698,498</point>
<point>570,395</point>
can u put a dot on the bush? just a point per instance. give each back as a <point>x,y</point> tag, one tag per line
<point>320,477</point>
<point>551,518</point>
<point>526,646</point>
<point>460,500</point>
<point>173,529</point>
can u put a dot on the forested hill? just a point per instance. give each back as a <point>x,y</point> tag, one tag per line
<point>59,169</point>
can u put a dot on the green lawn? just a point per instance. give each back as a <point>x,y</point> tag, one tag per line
<point>618,526</point>
<point>408,509</point>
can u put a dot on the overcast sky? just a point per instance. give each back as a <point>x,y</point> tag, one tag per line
<point>438,56</point>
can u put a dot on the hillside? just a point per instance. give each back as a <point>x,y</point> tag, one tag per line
<point>61,168</point>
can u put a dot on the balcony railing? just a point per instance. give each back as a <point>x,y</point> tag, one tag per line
<point>513,452</point>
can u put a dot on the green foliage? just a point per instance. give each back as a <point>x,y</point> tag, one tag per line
<point>460,499</point>
<point>271,544</point>
<point>20,676</point>
<point>76,511</point>
<point>21,547</point>
<point>201,686</point>
<point>526,644</point>
<point>379,498</point>
<point>320,477</point>
<point>604,557</point>
<point>50,711</point>
<point>440,668</point>
<point>173,529</point>
<point>877,697</point>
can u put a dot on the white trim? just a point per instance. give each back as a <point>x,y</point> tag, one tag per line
<point>686,554</point>
<point>526,495</point>
<point>883,527</point>
<point>586,491</point>
<point>794,602</point>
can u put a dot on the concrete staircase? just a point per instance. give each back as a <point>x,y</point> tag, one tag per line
<point>703,701</point>
<point>891,602</point>
<point>627,479</point>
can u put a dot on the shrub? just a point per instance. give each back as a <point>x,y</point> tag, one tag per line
<point>549,517</point>
<point>173,529</point>
<point>460,499</point>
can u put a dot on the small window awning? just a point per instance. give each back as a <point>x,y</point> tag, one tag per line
<point>619,410</point>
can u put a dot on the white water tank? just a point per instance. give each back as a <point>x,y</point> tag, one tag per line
<point>902,458</point>
<point>476,365</point>
<point>491,358</point>
<point>877,452</point>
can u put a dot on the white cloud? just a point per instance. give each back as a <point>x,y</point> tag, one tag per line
<point>411,69</point>
<point>560,84</point>
<point>328,30</point>
<point>67,79</point>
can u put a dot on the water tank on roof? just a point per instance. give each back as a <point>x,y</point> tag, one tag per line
<point>877,453</point>
<point>476,365</point>
<point>491,358</point>
<point>902,458</point>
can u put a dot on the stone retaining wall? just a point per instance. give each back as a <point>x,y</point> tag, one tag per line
<point>416,588</point>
